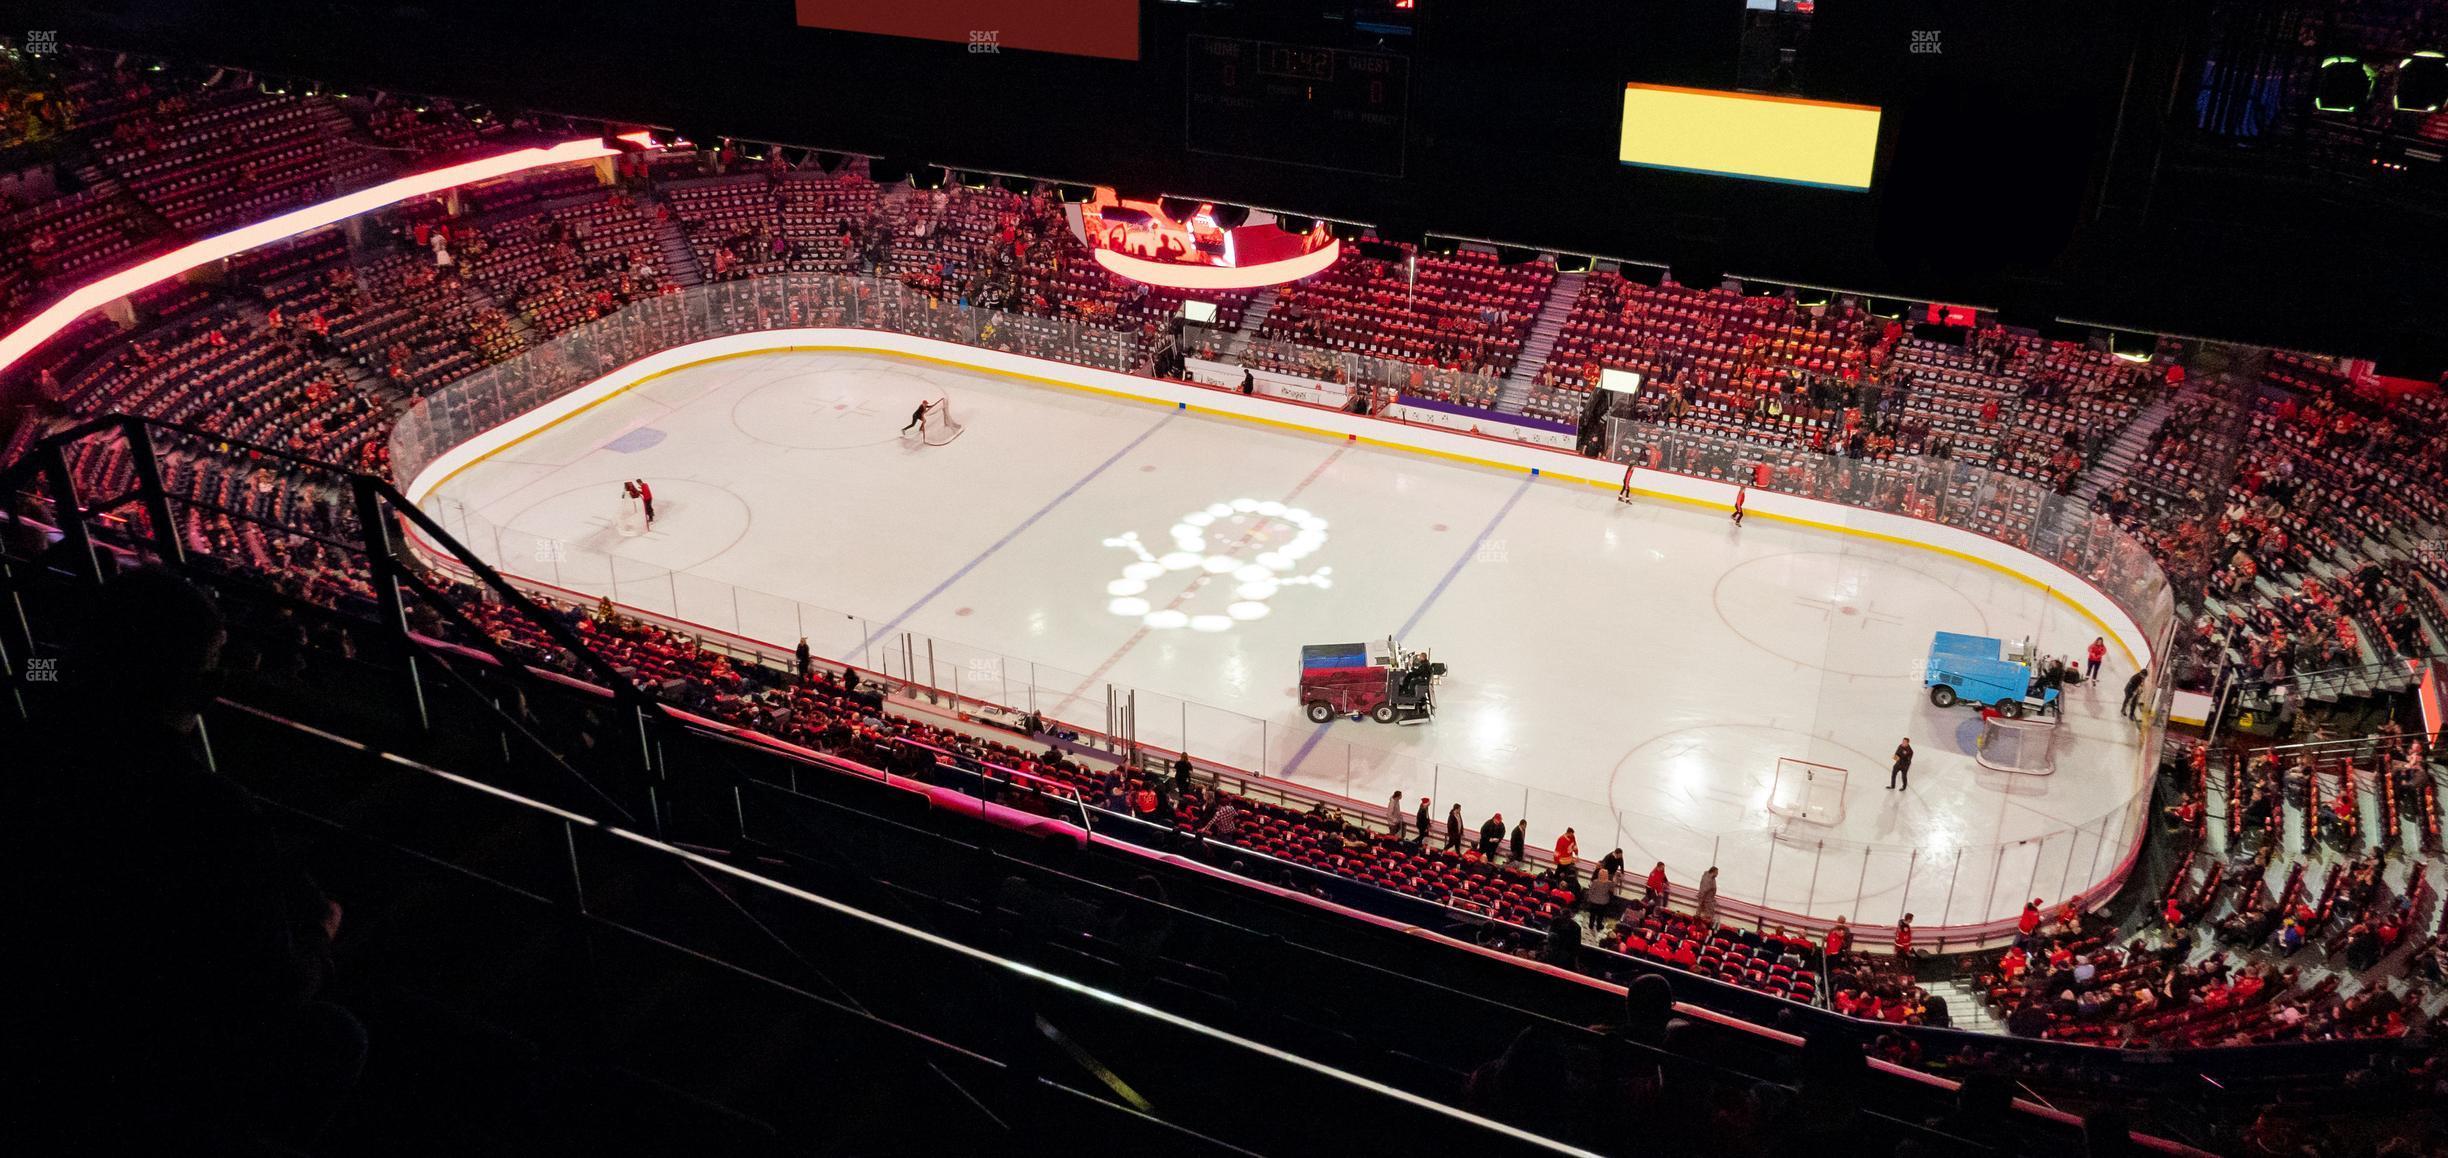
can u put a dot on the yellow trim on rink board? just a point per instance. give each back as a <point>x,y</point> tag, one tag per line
<point>2050,589</point>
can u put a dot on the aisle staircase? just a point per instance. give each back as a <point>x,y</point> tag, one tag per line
<point>671,240</point>
<point>1965,1008</point>
<point>1544,330</point>
<point>1252,320</point>
<point>2117,462</point>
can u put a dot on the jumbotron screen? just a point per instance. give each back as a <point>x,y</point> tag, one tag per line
<point>1106,28</point>
<point>1142,241</point>
<point>1750,135</point>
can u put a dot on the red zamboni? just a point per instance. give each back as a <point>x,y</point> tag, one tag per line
<point>1378,680</point>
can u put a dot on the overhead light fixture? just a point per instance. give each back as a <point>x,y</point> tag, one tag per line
<point>2343,84</point>
<point>2422,83</point>
<point>2132,347</point>
<point>1346,231</point>
<point>1075,194</point>
<point>1017,184</point>
<point>927,177</point>
<point>1296,225</point>
<point>665,138</point>
<point>1439,246</point>
<point>1575,263</point>
<point>973,179</point>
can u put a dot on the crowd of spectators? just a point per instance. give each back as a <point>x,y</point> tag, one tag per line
<point>2255,937</point>
<point>1465,311</point>
<point>572,261</point>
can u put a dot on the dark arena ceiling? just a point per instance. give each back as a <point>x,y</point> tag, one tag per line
<point>2152,164</point>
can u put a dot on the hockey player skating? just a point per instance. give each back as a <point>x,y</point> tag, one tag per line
<point>1741,493</point>
<point>918,417</point>
<point>645,496</point>
<point>1625,494</point>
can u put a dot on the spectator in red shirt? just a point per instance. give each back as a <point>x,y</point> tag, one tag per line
<point>2070,915</point>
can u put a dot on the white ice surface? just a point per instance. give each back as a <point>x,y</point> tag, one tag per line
<point>1632,670</point>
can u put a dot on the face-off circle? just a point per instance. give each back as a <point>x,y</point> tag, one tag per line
<point>1246,547</point>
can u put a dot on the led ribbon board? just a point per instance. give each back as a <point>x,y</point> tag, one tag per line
<point>1106,28</point>
<point>1761,138</point>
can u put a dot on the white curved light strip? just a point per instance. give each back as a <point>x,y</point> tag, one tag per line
<point>60,314</point>
<point>1178,276</point>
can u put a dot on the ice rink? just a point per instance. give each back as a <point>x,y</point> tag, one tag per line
<point>1633,670</point>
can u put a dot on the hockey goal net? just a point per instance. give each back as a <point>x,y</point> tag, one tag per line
<point>2026,746</point>
<point>940,425</point>
<point>1802,790</point>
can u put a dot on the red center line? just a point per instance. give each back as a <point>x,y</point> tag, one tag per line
<point>1196,583</point>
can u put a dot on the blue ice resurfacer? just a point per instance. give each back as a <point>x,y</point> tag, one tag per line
<point>1981,669</point>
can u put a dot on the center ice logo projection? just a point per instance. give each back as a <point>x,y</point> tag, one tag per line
<point>1257,544</point>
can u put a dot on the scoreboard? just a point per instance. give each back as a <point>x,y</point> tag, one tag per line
<point>1329,108</point>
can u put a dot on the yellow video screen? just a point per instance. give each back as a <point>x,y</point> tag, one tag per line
<point>1761,138</point>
